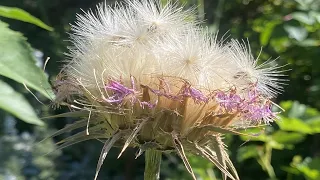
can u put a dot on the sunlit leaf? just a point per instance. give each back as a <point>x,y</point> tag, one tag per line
<point>69,114</point>
<point>310,168</point>
<point>311,112</point>
<point>21,15</point>
<point>309,43</point>
<point>255,134</point>
<point>275,145</point>
<point>16,104</point>
<point>297,110</point>
<point>303,17</point>
<point>295,125</point>
<point>316,15</point>
<point>286,105</point>
<point>294,109</point>
<point>304,4</point>
<point>314,124</point>
<point>267,32</point>
<point>291,170</point>
<point>297,33</point>
<point>17,61</point>
<point>288,137</point>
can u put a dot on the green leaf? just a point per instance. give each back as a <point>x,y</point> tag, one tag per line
<point>288,137</point>
<point>18,63</point>
<point>201,167</point>
<point>286,105</point>
<point>267,31</point>
<point>312,113</point>
<point>303,17</point>
<point>17,105</point>
<point>297,33</point>
<point>293,109</point>
<point>309,43</point>
<point>19,14</point>
<point>247,152</point>
<point>255,134</point>
<point>294,124</point>
<point>275,145</point>
<point>314,124</point>
<point>297,110</point>
<point>315,15</point>
<point>304,4</point>
<point>310,168</point>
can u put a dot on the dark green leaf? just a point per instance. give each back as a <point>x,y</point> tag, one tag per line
<point>17,105</point>
<point>19,14</point>
<point>247,152</point>
<point>18,63</point>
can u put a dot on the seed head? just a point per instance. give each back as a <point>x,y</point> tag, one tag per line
<point>145,75</point>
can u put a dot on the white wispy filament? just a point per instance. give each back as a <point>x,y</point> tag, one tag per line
<point>147,72</point>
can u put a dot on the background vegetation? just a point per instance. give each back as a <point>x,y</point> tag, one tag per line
<point>286,29</point>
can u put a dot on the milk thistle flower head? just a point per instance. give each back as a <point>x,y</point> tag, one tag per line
<point>143,74</point>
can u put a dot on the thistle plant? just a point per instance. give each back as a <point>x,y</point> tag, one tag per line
<point>146,75</point>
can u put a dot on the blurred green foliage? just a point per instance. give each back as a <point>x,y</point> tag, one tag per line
<point>289,149</point>
<point>295,124</point>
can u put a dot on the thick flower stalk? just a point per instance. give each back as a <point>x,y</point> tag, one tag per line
<point>146,75</point>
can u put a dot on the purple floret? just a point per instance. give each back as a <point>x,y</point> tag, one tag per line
<point>229,101</point>
<point>119,92</point>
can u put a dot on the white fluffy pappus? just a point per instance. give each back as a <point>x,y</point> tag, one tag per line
<point>196,56</point>
<point>117,41</point>
<point>247,71</point>
<point>131,22</point>
<point>137,38</point>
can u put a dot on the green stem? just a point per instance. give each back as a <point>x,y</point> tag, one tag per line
<point>152,167</point>
<point>264,161</point>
